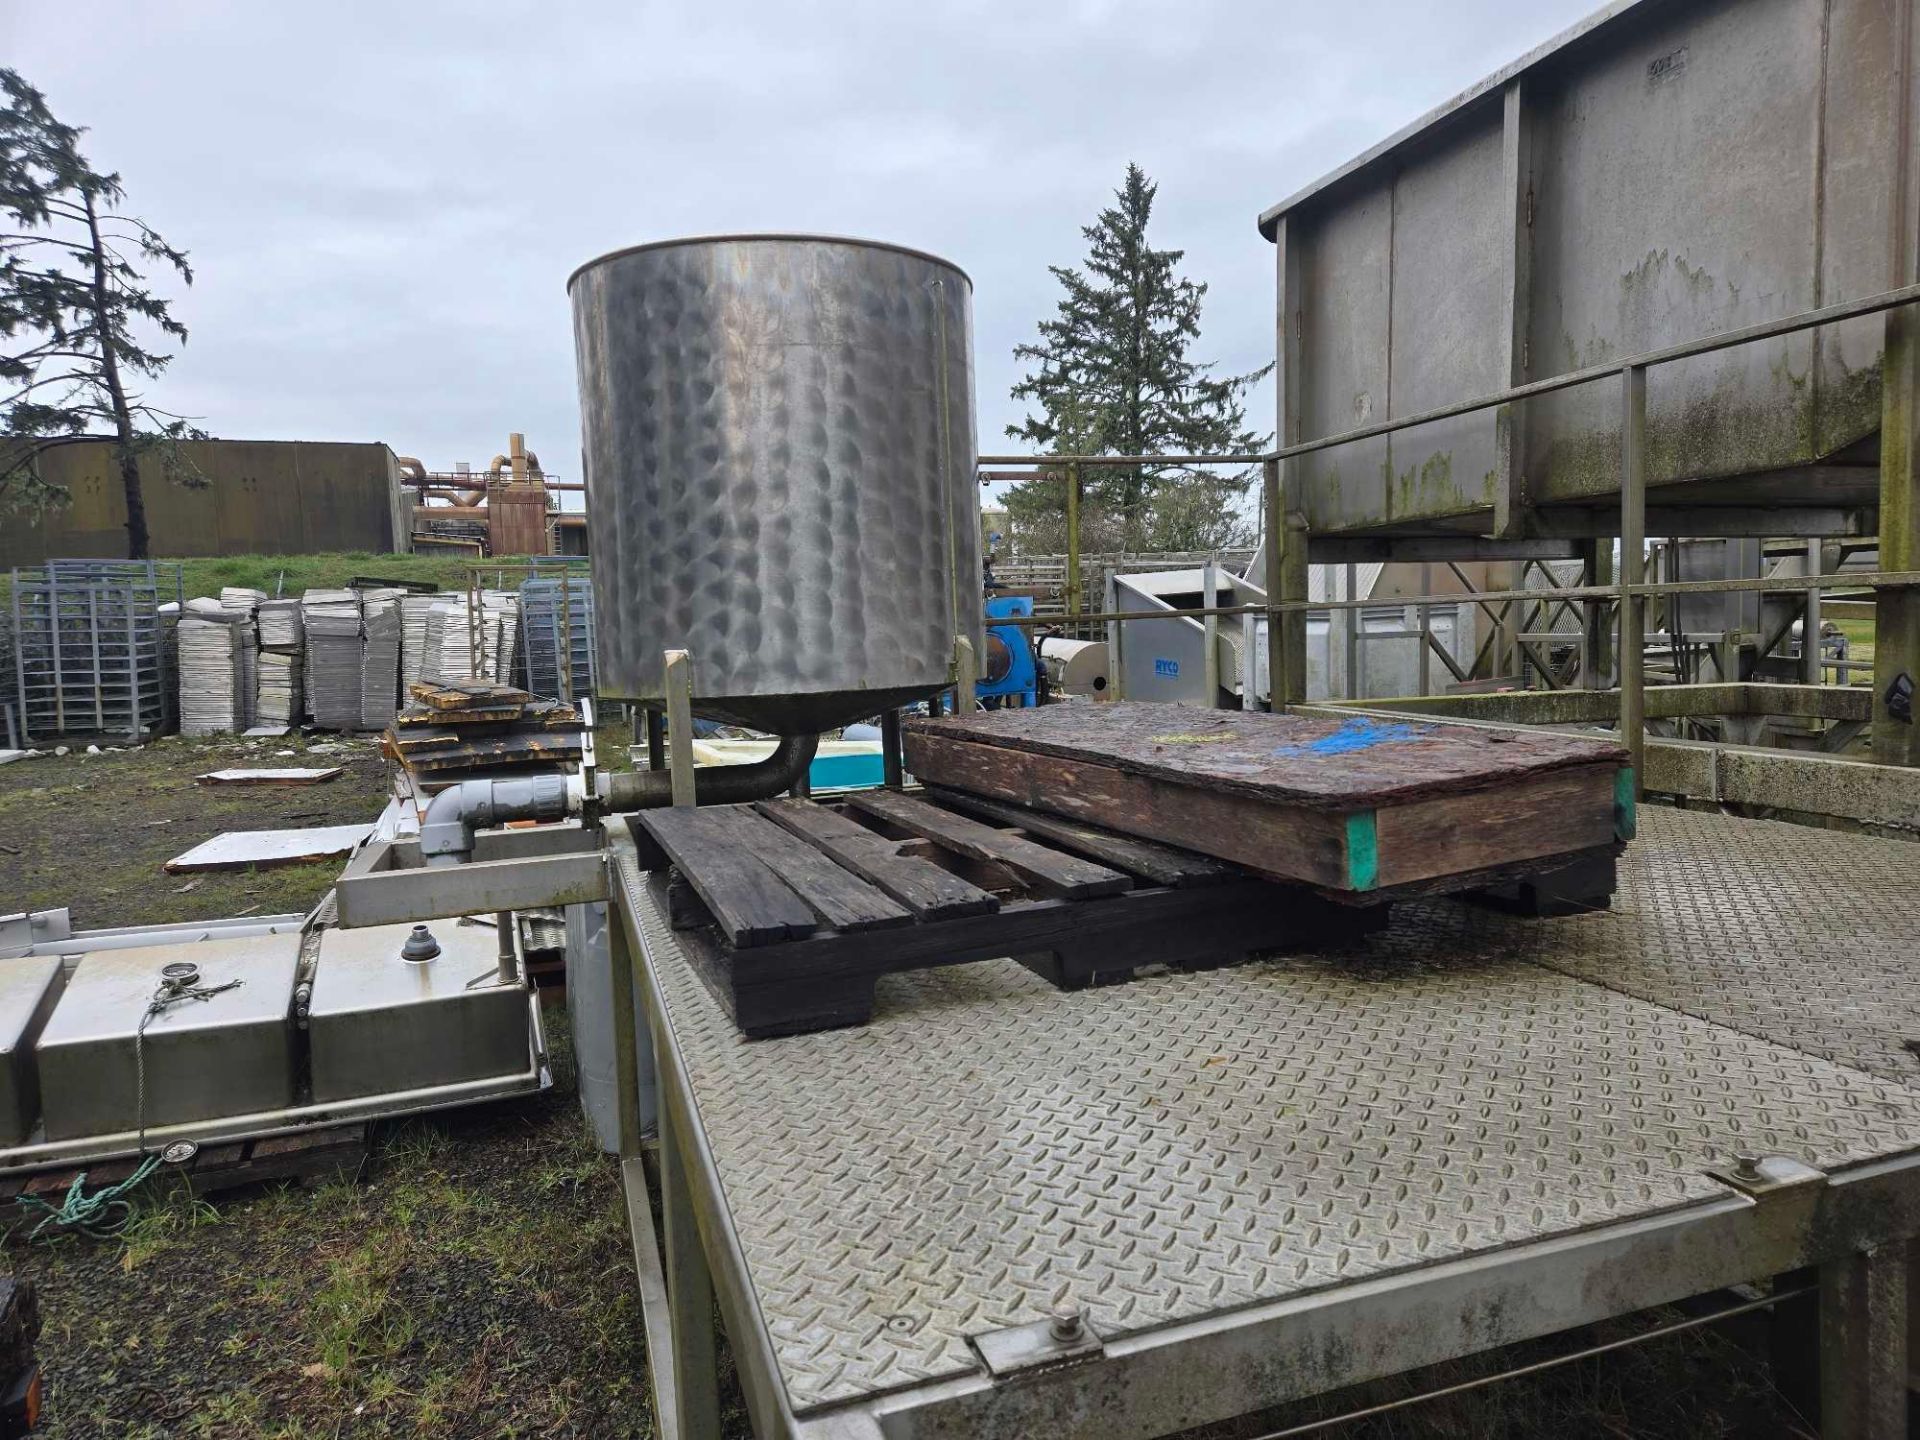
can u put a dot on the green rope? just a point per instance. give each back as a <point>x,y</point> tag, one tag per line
<point>105,1213</point>
<point>102,1214</point>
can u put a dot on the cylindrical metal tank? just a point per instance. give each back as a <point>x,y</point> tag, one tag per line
<point>779,459</point>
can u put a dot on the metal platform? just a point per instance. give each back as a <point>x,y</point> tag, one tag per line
<point>1259,1184</point>
<point>1809,938</point>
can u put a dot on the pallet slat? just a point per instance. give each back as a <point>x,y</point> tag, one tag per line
<point>1065,875</point>
<point>750,903</point>
<point>923,887</point>
<point>1159,864</point>
<point>838,896</point>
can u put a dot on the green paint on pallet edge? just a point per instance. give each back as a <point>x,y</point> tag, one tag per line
<point>1363,851</point>
<point>1626,818</point>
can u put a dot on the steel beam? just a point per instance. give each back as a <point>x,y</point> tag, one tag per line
<point>892,768</point>
<point>1074,596</point>
<point>1285,575</point>
<point>1336,549</point>
<point>1515,258</point>
<point>1221,1366</point>
<point>1896,618</point>
<point>1686,521</point>
<point>1812,671</point>
<point>754,1364</point>
<point>1633,538</point>
<point>626,1038</point>
<point>1863,1345</point>
<point>1596,619</point>
<point>1663,702</point>
<point>656,1311</point>
<point>367,894</point>
<point>696,1375</point>
<point>1789,780</point>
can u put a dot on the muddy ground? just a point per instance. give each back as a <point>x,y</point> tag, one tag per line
<point>93,831</point>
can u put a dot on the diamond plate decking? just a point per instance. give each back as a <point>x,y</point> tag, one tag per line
<point>1804,937</point>
<point>1186,1144</point>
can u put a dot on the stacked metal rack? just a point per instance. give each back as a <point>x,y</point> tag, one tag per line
<point>556,618</point>
<point>89,647</point>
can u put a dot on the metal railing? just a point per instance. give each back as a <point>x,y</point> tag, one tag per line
<point>1286,579</point>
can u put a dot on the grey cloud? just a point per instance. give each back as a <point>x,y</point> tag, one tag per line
<point>383,201</point>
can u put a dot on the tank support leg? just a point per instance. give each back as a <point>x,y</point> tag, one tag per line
<point>656,739</point>
<point>893,764</point>
<point>1863,1345</point>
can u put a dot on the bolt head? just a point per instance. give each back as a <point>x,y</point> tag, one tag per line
<point>1066,1325</point>
<point>1747,1167</point>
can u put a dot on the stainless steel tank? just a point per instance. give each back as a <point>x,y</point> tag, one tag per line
<point>779,460</point>
<point>1661,172</point>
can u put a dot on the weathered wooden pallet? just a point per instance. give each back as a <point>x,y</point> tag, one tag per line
<point>792,909</point>
<point>310,1157</point>
<point>1366,809</point>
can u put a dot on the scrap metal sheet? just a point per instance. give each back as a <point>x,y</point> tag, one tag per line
<point>238,849</point>
<point>989,1148</point>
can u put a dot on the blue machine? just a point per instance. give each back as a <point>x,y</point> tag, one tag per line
<point>1010,675</point>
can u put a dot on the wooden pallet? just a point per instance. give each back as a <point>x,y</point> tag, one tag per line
<point>310,1157</point>
<point>1363,808</point>
<point>792,909</point>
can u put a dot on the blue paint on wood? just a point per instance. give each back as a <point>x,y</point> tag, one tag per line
<point>1355,735</point>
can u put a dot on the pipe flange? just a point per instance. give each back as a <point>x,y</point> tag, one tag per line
<point>420,946</point>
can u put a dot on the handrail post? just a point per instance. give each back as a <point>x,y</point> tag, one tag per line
<point>678,670</point>
<point>1633,544</point>
<point>1276,641</point>
<point>1210,637</point>
<point>1073,543</point>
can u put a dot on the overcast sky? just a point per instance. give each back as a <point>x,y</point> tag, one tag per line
<point>383,201</point>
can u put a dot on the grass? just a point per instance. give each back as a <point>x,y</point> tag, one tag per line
<point>92,832</point>
<point>293,574</point>
<point>1859,635</point>
<point>476,1282</point>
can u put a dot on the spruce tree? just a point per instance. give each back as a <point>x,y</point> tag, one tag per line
<point>78,326</point>
<point>1111,375</point>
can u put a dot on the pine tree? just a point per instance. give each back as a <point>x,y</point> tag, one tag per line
<point>1113,377</point>
<point>76,314</point>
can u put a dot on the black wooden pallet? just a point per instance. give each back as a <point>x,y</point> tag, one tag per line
<point>310,1157</point>
<point>792,909</point>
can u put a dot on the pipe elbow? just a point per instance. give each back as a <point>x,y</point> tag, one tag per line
<point>715,784</point>
<point>446,829</point>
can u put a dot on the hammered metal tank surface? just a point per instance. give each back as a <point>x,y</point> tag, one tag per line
<point>779,456</point>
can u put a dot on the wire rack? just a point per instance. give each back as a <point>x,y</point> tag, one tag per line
<point>89,648</point>
<point>556,617</point>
